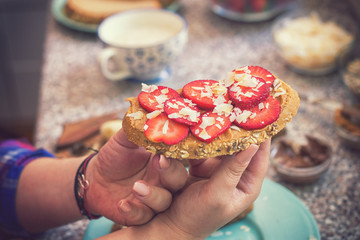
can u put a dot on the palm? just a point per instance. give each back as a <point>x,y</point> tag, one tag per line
<point>219,189</point>
<point>120,164</point>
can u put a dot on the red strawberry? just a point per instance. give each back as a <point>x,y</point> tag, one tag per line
<point>182,110</point>
<point>247,94</point>
<point>205,93</point>
<point>153,97</point>
<point>210,126</point>
<point>259,116</point>
<point>163,129</point>
<point>257,71</point>
<point>235,5</point>
<point>258,5</point>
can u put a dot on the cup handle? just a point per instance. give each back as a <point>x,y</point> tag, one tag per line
<point>104,58</point>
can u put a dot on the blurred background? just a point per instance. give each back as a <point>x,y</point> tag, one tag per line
<point>27,28</point>
<point>22,31</point>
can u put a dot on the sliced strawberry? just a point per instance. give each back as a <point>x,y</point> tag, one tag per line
<point>163,129</point>
<point>247,95</point>
<point>259,116</point>
<point>182,110</point>
<point>210,126</point>
<point>205,93</point>
<point>153,98</point>
<point>257,71</point>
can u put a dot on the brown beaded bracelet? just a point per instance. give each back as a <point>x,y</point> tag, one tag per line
<point>80,187</point>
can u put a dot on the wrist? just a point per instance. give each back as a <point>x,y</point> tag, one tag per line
<point>83,180</point>
<point>170,230</point>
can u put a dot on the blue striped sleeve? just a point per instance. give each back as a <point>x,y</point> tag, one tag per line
<point>14,156</point>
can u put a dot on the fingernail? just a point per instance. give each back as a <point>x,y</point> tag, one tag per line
<point>164,163</point>
<point>141,189</point>
<point>124,206</point>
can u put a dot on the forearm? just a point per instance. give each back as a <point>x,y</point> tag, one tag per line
<point>160,228</point>
<point>45,194</point>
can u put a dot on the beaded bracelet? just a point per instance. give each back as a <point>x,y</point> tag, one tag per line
<point>80,187</point>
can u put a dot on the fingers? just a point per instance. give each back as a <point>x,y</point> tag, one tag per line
<point>203,168</point>
<point>149,200</point>
<point>172,173</point>
<point>121,138</point>
<point>227,177</point>
<point>255,173</point>
<point>133,213</point>
<point>260,162</point>
<point>116,154</point>
<point>157,198</point>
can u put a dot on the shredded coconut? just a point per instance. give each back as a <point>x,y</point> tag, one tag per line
<point>204,135</point>
<point>153,114</point>
<point>136,115</point>
<point>207,121</point>
<point>148,88</point>
<point>165,127</point>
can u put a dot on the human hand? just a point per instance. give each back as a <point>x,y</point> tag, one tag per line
<point>218,190</point>
<point>129,185</point>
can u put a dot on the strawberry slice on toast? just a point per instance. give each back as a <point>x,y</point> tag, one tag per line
<point>163,129</point>
<point>249,93</point>
<point>210,126</point>
<point>259,116</point>
<point>153,97</point>
<point>205,93</point>
<point>182,110</point>
<point>256,71</point>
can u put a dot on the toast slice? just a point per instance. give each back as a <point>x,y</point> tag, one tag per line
<point>94,11</point>
<point>232,140</point>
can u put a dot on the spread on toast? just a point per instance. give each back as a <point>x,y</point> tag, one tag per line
<point>208,118</point>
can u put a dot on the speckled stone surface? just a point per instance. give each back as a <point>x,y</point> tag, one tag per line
<point>73,89</point>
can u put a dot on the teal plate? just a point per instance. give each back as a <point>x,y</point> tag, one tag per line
<point>57,9</point>
<point>277,215</point>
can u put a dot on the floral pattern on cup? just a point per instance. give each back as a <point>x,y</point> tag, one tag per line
<point>144,62</point>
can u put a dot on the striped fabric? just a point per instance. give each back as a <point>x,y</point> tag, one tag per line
<point>14,155</point>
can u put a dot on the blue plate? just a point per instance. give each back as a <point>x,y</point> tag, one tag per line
<point>57,9</point>
<point>277,214</point>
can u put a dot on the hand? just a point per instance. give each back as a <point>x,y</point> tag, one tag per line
<point>128,184</point>
<point>218,190</point>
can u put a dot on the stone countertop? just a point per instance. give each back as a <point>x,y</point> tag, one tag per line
<point>73,89</point>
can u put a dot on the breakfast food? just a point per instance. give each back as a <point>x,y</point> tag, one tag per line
<point>347,125</point>
<point>312,43</point>
<point>109,128</point>
<point>94,11</point>
<point>351,76</point>
<point>301,154</point>
<point>208,118</point>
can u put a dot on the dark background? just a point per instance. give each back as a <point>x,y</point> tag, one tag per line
<point>22,30</point>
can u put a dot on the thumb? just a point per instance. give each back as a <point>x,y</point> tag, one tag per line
<point>119,147</point>
<point>121,156</point>
<point>227,177</point>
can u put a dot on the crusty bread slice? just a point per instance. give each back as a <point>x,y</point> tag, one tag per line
<point>231,141</point>
<point>94,11</point>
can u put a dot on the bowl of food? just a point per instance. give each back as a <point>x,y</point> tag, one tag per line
<point>310,42</point>
<point>349,64</point>
<point>300,161</point>
<point>250,10</point>
<point>347,125</point>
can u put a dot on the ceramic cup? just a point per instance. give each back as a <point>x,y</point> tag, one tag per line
<point>140,44</point>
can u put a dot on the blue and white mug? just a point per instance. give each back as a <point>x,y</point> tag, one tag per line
<point>140,44</point>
